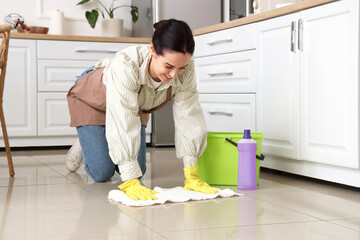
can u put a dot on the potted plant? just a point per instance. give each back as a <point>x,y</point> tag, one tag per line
<point>110,27</point>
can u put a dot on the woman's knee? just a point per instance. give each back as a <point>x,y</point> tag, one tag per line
<point>99,174</point>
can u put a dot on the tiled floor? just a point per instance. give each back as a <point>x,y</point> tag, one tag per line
<point>45,201</point>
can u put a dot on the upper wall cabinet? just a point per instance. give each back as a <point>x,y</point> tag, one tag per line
<point>307,88</point>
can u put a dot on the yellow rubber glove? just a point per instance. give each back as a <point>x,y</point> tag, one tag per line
<point>136,191</point>
<point>193,182</point>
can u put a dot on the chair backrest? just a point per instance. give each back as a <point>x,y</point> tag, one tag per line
<point>4,48</point>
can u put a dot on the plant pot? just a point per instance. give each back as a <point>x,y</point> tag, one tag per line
<point>111,27</point>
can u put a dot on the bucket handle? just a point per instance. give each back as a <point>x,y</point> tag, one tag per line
<point>261,157</point>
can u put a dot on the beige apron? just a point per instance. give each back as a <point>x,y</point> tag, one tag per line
<point>87,101</point>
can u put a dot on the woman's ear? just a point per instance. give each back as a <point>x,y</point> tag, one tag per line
<point>152,50</point>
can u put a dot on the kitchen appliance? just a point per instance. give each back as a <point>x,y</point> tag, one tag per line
<point>234,9</point>
<point>152,11</point>
<point>163,128</point>
<point>197,13</point>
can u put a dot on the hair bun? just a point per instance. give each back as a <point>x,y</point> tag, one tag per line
<point>159,24</point>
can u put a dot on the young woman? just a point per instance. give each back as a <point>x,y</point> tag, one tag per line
<point>137,81</point>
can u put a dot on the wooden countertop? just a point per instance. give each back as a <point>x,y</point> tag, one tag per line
<point>292,8</point>
<point>79,38</point>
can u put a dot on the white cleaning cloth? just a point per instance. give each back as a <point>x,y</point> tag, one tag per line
<point>177,194</point>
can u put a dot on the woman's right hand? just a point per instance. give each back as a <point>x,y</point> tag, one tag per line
<point>136,191</point>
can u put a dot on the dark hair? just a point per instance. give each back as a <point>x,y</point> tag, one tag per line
<point>173,35</point>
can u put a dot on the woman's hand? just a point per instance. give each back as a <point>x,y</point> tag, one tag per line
<point>193,182</point>
<point>136,191</point>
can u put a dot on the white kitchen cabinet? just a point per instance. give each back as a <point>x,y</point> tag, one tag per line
<point>60,75</point>
<point>53,115</point>
<point>77,50</point>
<point>329,84</point>
<point>227,73</point>
<point>235,39</point>
<point>228,112</point>
<point>39,74</point>
<point>225,67</point>
<point>20,91</point>
<point>278,88</point>
<point>308,95</point>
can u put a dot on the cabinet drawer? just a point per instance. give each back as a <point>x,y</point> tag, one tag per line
<point>78,50</point>
<point>54,117</point>
<point>228,112</point>
<point>60,75</point>
<point>228,73</point>
<point>225,41</point>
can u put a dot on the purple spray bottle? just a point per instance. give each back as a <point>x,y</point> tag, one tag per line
<point>247,179</point>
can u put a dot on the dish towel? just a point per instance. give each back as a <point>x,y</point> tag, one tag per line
<point>177,194</point>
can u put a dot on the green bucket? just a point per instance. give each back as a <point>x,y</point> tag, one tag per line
<point>218,165</point>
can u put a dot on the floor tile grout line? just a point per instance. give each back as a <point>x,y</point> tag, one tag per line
<point>242,226</point>
<point>329,221</point>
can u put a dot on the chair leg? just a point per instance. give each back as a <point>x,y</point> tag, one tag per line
<point>6,141</point>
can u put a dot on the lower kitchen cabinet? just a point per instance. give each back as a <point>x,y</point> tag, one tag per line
<point>227,73</point>
<point>39,75</point>
<point>308,92</point>
<point>278,88</point>
<point>20,93</point>
<point>329,88</point>
<point>60,75</point>
<point>53,115</point>
<point>228,112</point>
<point>308,84</point>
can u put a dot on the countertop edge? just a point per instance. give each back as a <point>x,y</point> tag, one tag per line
<point>79,38</point>
<point>292,8</point>
<point>296,7</point>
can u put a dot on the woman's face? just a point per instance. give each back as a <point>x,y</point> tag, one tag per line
<point>168,66</point>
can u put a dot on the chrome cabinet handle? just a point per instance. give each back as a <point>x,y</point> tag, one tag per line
<point>220,113</point>
<point>220,41</point>
<point>220,74</point>
<point>94,51</point>
<point>301,35</point>
<point>293,36</point>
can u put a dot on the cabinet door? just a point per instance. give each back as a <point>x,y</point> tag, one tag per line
<point>20,89</point>
<point>329,84</point>
<point>278,87</point>
<point>228,112</point>
<point>54,117</point>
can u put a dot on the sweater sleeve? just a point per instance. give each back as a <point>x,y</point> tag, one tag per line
<point>190,127</point>
<point>122,120</point>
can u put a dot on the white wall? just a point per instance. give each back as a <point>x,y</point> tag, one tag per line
<point>37,13</point>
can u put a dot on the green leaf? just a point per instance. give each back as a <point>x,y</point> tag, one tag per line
<point>134,13</point>
<point>82,2</point>
<point>92,17</point>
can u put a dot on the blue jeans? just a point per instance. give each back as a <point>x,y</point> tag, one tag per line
<point>95,151</point>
